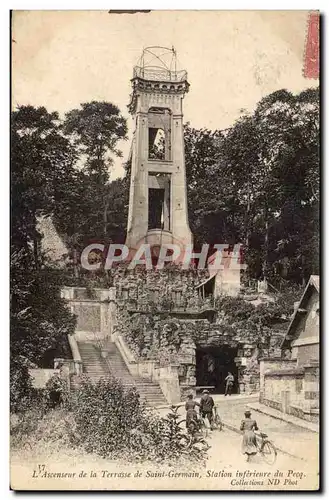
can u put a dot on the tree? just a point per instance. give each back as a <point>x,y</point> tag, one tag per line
<point>42,160</point>
<point>40,321</point>
<point>274,157</point>
<point>83,212</point>
<point>210,194</point>
<point>96,129</point>
<point>258,185</point>
<point>117,212</point>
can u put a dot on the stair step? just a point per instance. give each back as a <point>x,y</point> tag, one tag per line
<point>96,367</point>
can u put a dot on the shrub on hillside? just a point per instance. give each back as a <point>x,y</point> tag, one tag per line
<point>113,422</point>
<point>101,418</point>
<point>49,431</point>
<point>56,392</point>
<point>22,393</point>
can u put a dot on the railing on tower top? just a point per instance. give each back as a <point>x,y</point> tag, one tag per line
<point>159,74</point>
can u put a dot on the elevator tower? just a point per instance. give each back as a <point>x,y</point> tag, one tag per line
<point>157,198</point>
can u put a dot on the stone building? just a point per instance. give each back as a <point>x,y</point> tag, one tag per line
<point>158,202</point>
<point>291,383</point>
<point>158,321</point>
<point>161,316</point>
<point>225,278</point>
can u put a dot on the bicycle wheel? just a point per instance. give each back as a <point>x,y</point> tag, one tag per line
<point>203,429</point>
<point>182,422</point>
<point>191,428</point>
<point>268,452</point>
<point>218,423</point>
<point>185,441</point>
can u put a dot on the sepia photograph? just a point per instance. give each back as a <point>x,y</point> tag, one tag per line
<point>164,250</point>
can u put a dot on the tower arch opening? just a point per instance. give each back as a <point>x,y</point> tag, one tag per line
<point>159,134</point>
<point>159,201</point>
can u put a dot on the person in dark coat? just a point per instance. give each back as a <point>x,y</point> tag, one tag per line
<point>206,406</point>
<point>249,443</point>
<point>191,414</point>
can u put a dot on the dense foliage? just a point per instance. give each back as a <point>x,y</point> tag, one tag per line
<point>88,208</point>
<point>109,421</point>
<point>257,321</point>
<point>258,184</point>
<point>59,170</point>
<point>41,160</point>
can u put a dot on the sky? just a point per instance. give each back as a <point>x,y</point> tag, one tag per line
<point>233,59</point>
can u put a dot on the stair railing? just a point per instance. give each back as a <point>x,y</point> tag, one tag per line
<point>77,361</point>
<point>100,343</point>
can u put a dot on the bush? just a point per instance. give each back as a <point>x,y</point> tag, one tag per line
<point>39,430</point>
<point>26,415</point>
<point>104,413</point>
<point>21,389</point>
<point>113,422</point>
<point>101,418</point>
<point>56,392</point>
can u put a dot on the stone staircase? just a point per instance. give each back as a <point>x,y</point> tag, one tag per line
<point>96,367</point>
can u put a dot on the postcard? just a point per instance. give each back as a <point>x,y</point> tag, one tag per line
<point>165,282</point>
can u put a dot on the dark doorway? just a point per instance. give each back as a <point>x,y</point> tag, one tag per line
<point>156,202</point>
<point>213,365</point>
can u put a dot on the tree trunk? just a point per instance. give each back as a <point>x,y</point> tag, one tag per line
<point>266,245</point>
<point>247,221</point>
<point>75,257</point>
<point>106,206</point>
<point>35,243</point>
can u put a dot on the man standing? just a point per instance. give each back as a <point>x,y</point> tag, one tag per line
<point>229,384</point>
<point>206,406</point>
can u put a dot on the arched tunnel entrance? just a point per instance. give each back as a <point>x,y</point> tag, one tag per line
<point>213,365</point>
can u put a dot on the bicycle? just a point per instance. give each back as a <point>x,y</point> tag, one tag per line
<point>266,448</point>
<point>196,426</point>
<point>217,421</point>
<point>194,439</point>
<point>195,436</point>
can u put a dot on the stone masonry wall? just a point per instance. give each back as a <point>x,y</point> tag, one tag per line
<point>173,284</point>
<point>158,326</point>
<point>162,317</point>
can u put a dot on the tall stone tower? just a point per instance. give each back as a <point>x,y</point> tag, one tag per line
<point>157,198</point>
